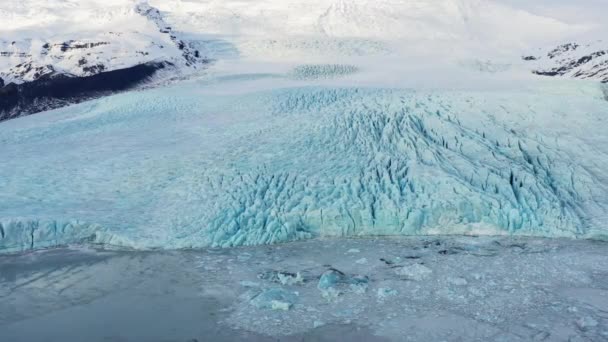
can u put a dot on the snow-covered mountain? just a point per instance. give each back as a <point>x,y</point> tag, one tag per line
<point>585,61</point>
<point>40,40</point>
<point>49,52</point>
<point>85,38</point>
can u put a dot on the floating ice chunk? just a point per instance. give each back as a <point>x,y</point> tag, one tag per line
<point>586,323</point>
<point>390,262</point>
<point>280,305</point>
<point>458,281</point>
<point>359,284</point>
<point>275,299</point>
<point>353,251</point>
<point>283,278</point>
<point>330,279</point>
<point>247,283</point>
<point>290,279</point>
<point>361,261</point>
<point>477,276</point>
<point>386,292</point>
<point>359,289</point>
<point>333,278</point>
<point>331,294</point>
<point>333,283</point>
<point>414,272</point>
<point>317,324</point>
<point>243,257</point>
<point>358,280</point>
<point>477,292</point>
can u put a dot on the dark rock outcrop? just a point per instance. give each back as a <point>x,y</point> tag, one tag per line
<point>573,60</point>
<point>57,90</point>
<point>191,56</point>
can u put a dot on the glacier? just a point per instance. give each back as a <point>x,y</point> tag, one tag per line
<point>260,160</point>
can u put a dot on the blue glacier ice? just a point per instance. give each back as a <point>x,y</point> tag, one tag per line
<point>181,167</point>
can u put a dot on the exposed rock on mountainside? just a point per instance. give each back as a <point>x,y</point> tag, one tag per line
<point>49,72</point>
<point>41,41</point>
<point>573,60</point>
<point>57,90</point>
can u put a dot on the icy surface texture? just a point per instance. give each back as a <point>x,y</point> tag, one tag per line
<point>19,235</point>
<point>178,168</point>
<point>513,289</point>
<point>322,71</point>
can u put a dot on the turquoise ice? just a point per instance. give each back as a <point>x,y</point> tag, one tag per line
<point>180,167</point>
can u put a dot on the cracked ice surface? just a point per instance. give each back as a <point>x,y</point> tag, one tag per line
<point>184,167</point>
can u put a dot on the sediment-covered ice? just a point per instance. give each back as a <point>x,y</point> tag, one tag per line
<point>181,167</point>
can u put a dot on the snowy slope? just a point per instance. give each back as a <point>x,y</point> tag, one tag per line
<point>40,40</point>
<point>84,38</point>
<point>585,61</point>
<point>384,20</point>
<point>182,167</point>
<point>294,28</point>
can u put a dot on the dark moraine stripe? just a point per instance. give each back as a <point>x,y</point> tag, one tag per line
<point>54,91</point>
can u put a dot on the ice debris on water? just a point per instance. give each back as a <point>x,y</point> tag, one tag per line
<point>334,282</point>
<point>391,262</point>
<point>243,257</point>
<point>586,323</point>
<point>386,292</point>
<point>334,278</point>
<point>290,279</point>
<point>359,287</point>
<point>331,294</point>
<point>457,281</point>
<point>361,261</point>
<point>478,276</point>
<point>331,278</point>
<point>283,278</point>
<point>415,272</point>
<point>247,283</point>
<point>275,299</point>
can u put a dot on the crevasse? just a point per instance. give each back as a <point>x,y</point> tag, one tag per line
<point>177,169</point>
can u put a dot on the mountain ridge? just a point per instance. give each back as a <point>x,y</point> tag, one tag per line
<point>122,34</point>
